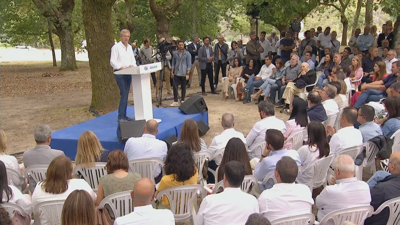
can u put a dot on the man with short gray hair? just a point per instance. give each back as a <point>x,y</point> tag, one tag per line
<point>42,154</point>
<point>328,93</point>
<point>347,192</point>
<point>220,141</point>
<point>390,58</point>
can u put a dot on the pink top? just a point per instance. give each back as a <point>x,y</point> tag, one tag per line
<point>357,75</point>
<point>291,127</point>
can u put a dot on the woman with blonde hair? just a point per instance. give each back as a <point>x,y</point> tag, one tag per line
<point>190,136</point>
<point>356,72</point>
<point>10,161</point>
<point>380,71</point>
<point>78,209</point>
<point>90,150</point>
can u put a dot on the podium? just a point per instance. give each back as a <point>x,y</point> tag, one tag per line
<point>141,87</point>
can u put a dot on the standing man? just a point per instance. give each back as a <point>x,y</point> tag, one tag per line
<point>136,53</point>
<point>307,41</point>
<point>220,59</point>
<point>180,70</point>
<point>253,50</point>
<point>193,49</point>
<point>273,39</point>
<point>287,45</point>
<point>386,35</point>
<point>121,58</point>
<point>166,66</point>
<point>265,44</point>
<point>324,41</point>
<point>146,53</point>
<point>335,43</point>
<point>205,64</point>
<point>365,40</point>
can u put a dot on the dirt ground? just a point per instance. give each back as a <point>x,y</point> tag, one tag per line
<point>35,93</point>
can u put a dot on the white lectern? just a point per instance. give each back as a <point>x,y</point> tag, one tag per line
<point>141,86</point>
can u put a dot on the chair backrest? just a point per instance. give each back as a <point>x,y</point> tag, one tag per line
<point>181,199</point>
<point>337,121</point>
<point>36,172</point>
<point>146,167</point>
<point>331,120</point>
<point>303,219</point>
<point>394,210</point>
<point>351,151</point>
<point>218,187</point>
<point>250,185</point>
<point>92,175</point>
<point>356,214</point>
<point>11,208</point>
<point>200,158</point>
<point>270,176</point>
<point>13,175</point>
<point>120,203</point>
<point>396,141</point>
<point>319,168</point>
<point>259,146</point>
<point>49,210</point>
<point>297,138</point>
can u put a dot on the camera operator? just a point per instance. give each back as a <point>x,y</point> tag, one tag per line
<point>180,70</point>
<point>166,66</point>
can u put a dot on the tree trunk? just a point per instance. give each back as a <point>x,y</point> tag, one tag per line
<point>163,14</point>
<point>369,12</point>
<point>345,23</point>
<point>396,30</point>
<point>128,15</point>
<point>99,33</point>
<point>194,17</point>
<point>252,24</point>
<point>356,16</point>
<point>281,27</point>
<point>163,28</point>
<point>53,52</point>
<point>68,61</point>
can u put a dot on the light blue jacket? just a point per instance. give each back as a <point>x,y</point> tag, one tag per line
<point>390,126</point>
<point>365,41</point>
<point>185,64</point>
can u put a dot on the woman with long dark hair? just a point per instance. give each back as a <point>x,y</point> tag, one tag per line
<point>298,119</point>
<point>391,123</point>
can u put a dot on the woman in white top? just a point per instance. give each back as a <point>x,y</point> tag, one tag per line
<point>190,136</point>
<point>9,193</point>
<point>9,161</point>
<point>297,120</point>
<point>317,147</point>
<point>57,186</point>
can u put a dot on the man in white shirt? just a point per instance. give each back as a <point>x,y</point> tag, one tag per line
<point>347,192</point>
<point>144,213</point>
<point>219,142</point>
<point>347,136</point>
<point>268,121</point>
<point>265,44</point>
<point>324,41</point>
<point>122,57</point>
<point>390,58</point>
<point>328,93</point>
<point>232,206</point>
<point>285,198</point>
<point>147,146</point>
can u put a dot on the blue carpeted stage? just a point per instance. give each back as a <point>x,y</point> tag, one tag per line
<point>105,127</point>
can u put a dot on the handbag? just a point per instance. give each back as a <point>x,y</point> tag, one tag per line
<point>239,91</point>
<point>300,83</point>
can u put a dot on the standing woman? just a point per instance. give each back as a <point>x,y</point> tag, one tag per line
<point>297,41</point>
<point>234,73</point>
<point>298,119</point>
<point>90,150</point>
<point>235,52</point>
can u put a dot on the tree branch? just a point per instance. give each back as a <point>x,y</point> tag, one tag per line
<point>329,4</point>
<point>154,8</point>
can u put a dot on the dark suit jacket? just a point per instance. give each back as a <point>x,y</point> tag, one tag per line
<point>390,38</point>
<point>193,53</point>
<point>203,56</point>
<point>253,50</point>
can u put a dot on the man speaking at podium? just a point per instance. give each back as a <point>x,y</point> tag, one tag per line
<point>122,57</point>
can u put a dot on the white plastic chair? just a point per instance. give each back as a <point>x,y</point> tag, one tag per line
<point>319,168</point>
<point>14,175</point>
<point>297,138</point>
<point>304,94</point>
<point>250,185</point>
<point>200,158</point>
<point>396,141</point>
<point>369,161</point>
<point>120,203</point>
<point>215,173</point>
<point>331,120</point>
<point>270,176</point>
<point>260,146</point>
<point>50,211</point>
<point>337,121</point>
<point>303,219</point>
<point>182,199</point>
<point>218,187</point>
<point>146,167</point>
<point>11,208</point>
<point>92,175</point>
<point>351,151</point>
<point>394,210</point>
<point>356,214</point>
<point>36,172</point>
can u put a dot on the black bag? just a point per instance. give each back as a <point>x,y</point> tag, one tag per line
<point>300,83</point>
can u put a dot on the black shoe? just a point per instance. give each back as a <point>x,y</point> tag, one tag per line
<point>128,118</point>
<point>214,92</point>
<point>246,101</point>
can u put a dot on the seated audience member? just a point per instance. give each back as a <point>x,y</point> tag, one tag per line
<point>368,63</point>
<point>347,192</point>
<point>297,120</point>
<point>343,92</point>
<point>249,71</point>
<point>328,93</point>
<point>346,57</point>
<point>326,51</point>
<point>144,213</point>
<point>317,147</point>
<point>117,179</point>
<point>384,190</point>
<point>256,81</point>
<point>58,185</point>
<point>235,151</point>
<point>385,53</point>
<point>380,71</point>
<point>232,206</point>
<point>272,153</point>
<point>78,209</point>
<point>180,169</point>
<point>391,123</point>
<point>268,121</point>
<point>392,91</point>
<point>147,146</point>
<point>306,77</point>
<point>257,219</point>
<point>9,161</point>
<point>381,49</point>
<point>393,167</point>
<point>308,59</point>
<point>234,73</point>
<point>337,59</point>
<point>376,90</point>
<point>326,69</point>
<point>316,111</point>
<point>90,150</point>
<point>338,99</point>
<point>5,217</point>
<point>285,198</point>
<point>42,154</point>
<point>368,128</point>
<point>303,56</point>
<point>347,136</point>
<point>390,59</point>
<point>356,72</point>
<point>190,136</point>
<point>10,193</point>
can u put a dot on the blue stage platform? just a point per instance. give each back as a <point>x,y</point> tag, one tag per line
<point>105,127</point>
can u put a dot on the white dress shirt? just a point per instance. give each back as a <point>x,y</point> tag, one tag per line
<point>345,193</point>
<point>307,156</point>
<point>267,48</point>
<point>325,40</point>
<point>284,200</point>
<point>23,200</point>
<point>232,206</point>
<point>146,147</point>
<point>220,141</point>
<point>331,107</point>
<point>389,65</point>
<point>122,56</point>
<point>266,72</point>
<point>345,138</point>
<point>257,133</point>
<point>147,215</point>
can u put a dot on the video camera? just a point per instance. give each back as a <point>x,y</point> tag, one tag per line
<point>164,46</point>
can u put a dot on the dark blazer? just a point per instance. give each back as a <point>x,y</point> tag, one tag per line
<point>203,56</point>
<point>193,53</point>
<point>224,52</point>
<point>253,50</point>
<point>390,38</point>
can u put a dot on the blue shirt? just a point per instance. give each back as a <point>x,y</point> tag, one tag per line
<point>370,130</point>
<point>311,64</point>
<point>181,62</point>
<point>268,164</point>
<point>365,41</point>
<point>390,126</point>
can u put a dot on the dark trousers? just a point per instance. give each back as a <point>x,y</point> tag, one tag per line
<point>217,67</point>
<point>366,80</point>
<point>179,80</point>
<point>207,72</point>
<point>124,84</point>
<point>321,54</point>
<point>154,78</point>
<point>210,177</point>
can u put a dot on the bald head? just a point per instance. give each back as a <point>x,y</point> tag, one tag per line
<point>343,166</point>
<point>394,163</point>
<point>143,193</point>
<point>151,127</point>
<point>305,67</point>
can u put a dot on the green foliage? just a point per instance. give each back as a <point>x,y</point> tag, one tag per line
<point>390,7</point>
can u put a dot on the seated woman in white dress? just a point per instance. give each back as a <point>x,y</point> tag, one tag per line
<point>57,186</point>
<point>234,73</point>
<point>10,161</point>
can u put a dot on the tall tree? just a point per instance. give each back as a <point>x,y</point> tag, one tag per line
<point>356,16</point>
<point>369,12</point>
<point>341,6</point>
<point>164,11</point>
<point>99,32</point>
<point>60,14</point>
